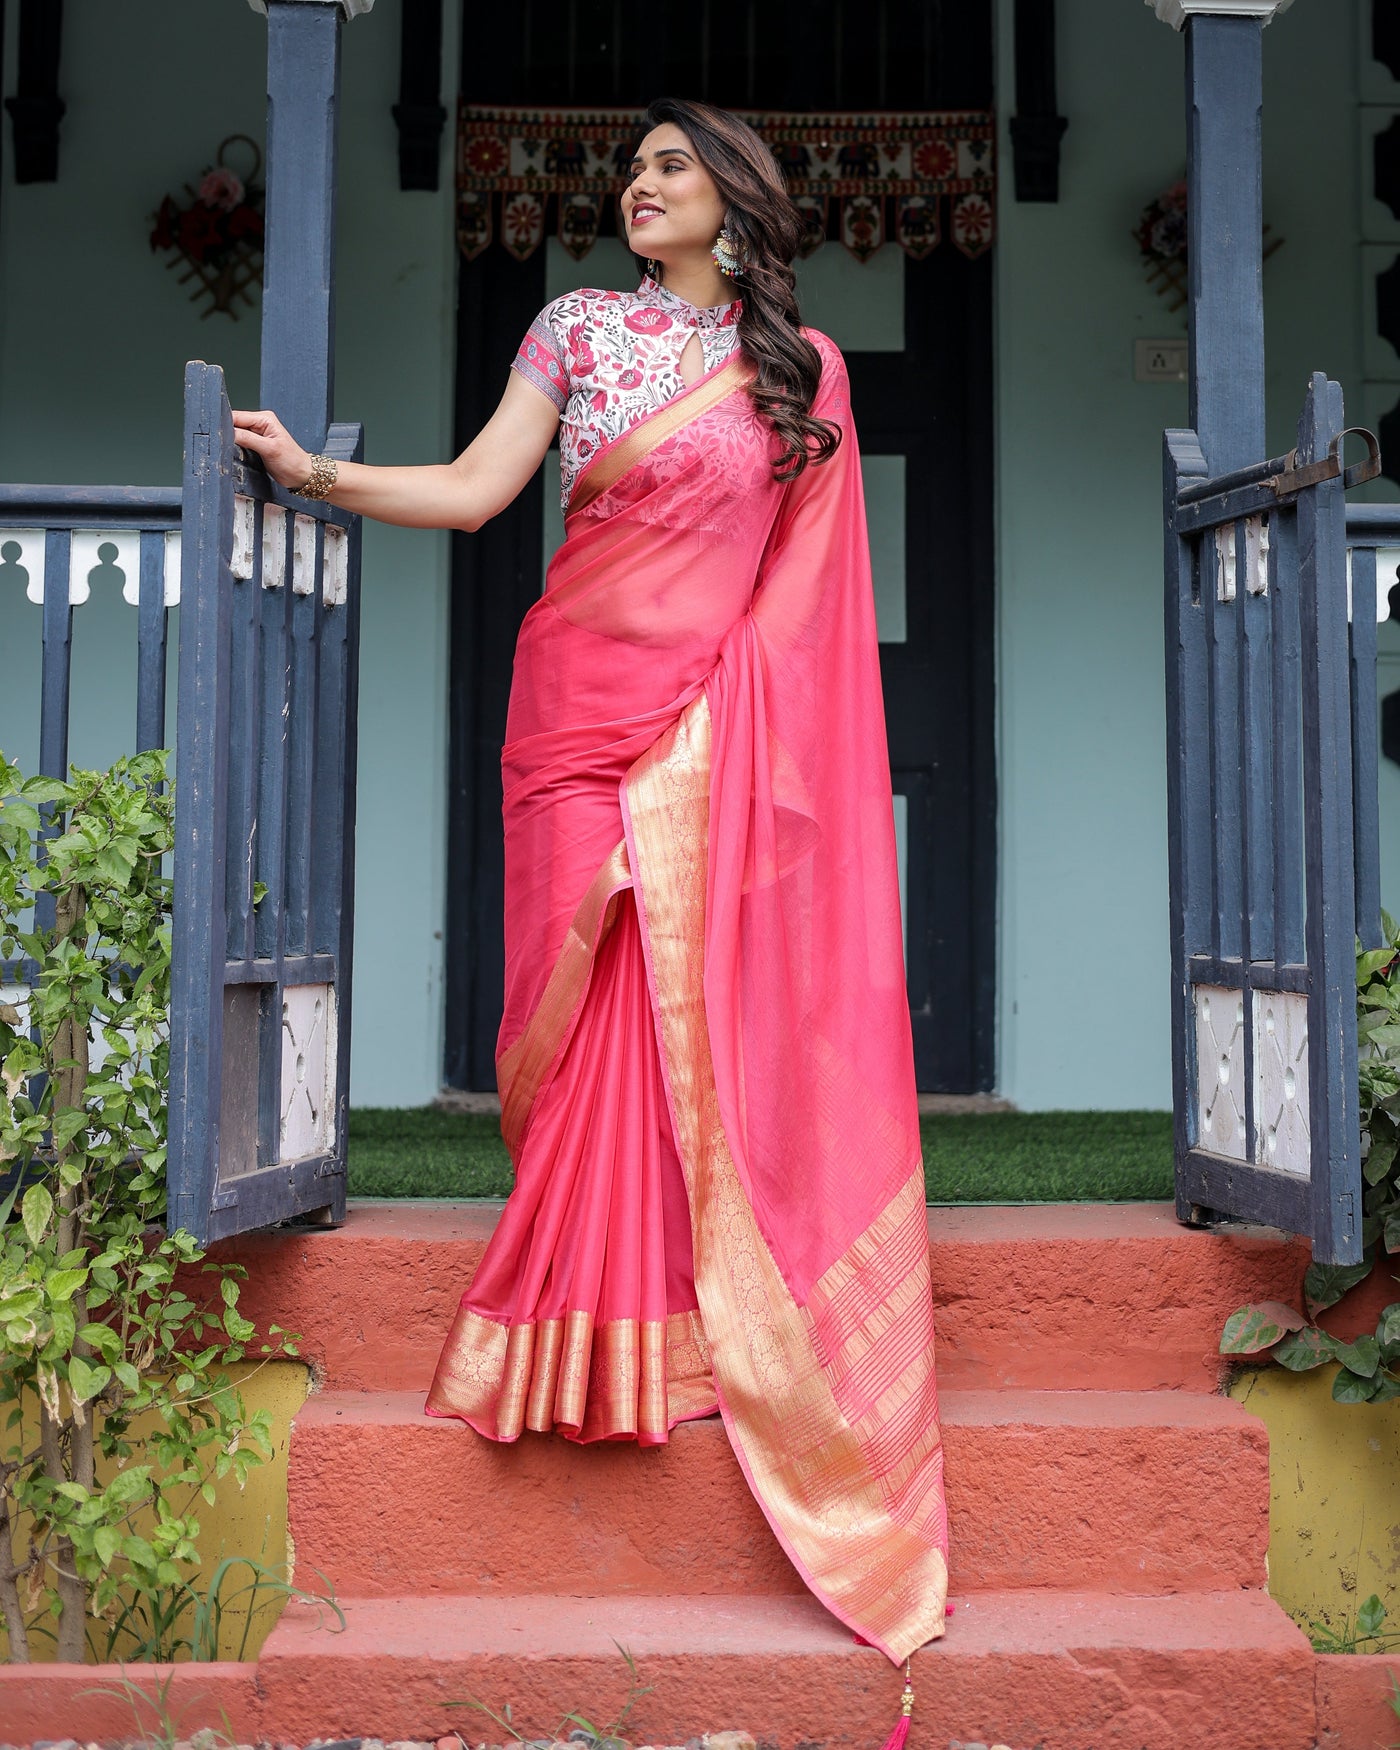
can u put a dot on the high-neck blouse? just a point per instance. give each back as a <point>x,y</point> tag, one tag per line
<point>607,359</point>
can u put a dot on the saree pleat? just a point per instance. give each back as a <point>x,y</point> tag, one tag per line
<point>705,1059</point>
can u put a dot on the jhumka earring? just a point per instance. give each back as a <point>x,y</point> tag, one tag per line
<point>725,254</point>
<point>651,268</point>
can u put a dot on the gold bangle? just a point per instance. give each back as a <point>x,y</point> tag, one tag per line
<point>320,480</point>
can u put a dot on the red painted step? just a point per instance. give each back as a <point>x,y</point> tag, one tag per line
<point>1131,1491</point>
<point>1057,1671</point>
<point>1047,1296</point>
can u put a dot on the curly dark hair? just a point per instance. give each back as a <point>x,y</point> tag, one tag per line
<point>766,226</point>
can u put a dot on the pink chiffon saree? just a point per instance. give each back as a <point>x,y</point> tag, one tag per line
<point>705,1063</point>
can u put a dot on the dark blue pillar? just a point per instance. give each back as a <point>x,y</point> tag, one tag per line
<point>1224,95</point>
<point>298,318</point>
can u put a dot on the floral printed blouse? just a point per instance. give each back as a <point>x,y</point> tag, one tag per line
<point>607,359</point>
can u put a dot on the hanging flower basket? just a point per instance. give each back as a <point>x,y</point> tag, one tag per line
<point>216,234</point>
<point>1161,236</point>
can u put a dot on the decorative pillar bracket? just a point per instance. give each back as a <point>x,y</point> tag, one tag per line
<point>1176,12</point>
<point>351,8</point>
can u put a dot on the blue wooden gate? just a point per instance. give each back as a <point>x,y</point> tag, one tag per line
<point>1270,689</point>
<point>264,854</point>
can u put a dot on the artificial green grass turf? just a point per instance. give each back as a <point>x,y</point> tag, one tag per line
<point>993,1157</point>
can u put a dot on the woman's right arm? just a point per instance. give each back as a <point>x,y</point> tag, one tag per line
<point>462,494</point>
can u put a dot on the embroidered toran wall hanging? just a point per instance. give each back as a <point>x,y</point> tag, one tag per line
<point>867,176</point>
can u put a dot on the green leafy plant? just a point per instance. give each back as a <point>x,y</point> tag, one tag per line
<point>1368,1369</point>
<point>156,1726</point>
<point>1364,1633</point>
<point>97,1508</point>
<point>1393,1702</point>
<point>602,1735</point>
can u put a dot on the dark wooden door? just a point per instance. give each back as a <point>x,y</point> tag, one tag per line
<point>929,404</point>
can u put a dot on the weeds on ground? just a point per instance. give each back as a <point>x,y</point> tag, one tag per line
<point>601,1734</point>
<point>165,1733</point>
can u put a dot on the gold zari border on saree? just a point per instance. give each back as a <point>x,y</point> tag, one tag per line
<point>623,1377</point>
<point>608,467</point>
<point>856,1499</point>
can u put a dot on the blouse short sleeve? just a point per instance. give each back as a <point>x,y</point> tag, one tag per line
<point>543,358</point>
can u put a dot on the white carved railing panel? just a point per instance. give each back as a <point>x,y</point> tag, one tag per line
<point>274,546</point>
<point>241,559</point>
<point>1282,1134</point>
<point>91,550</point>
<point>1387,576</point>
<point>1220,1079</point>
<point>303,554</point>
<point>308,1070</point>
<point>335,560</point>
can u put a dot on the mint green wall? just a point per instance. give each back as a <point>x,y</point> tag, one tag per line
<point>1084,967</point>
<point>94,333</point>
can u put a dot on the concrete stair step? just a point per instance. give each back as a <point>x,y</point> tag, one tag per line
<point>1115,1491</point>
<point>1057,1671</point>
<point>1048,1297</point>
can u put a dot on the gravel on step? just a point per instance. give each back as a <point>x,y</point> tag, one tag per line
<point>208,1739</point>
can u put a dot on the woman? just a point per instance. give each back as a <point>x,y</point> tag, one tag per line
<point>705,1062</point>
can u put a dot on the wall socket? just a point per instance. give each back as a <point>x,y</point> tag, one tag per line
<point>1159,361</point>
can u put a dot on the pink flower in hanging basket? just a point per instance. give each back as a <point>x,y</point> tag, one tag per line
<point>221,188</point>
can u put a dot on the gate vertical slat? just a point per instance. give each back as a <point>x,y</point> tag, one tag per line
<point>1188,768</point>
<point>202,749</point>
<point>1328,839</point>
<point>1254,795</point>
<point>243,733</point>
<point>1289,946</point>
<point>333,880</point>
<point>274,611</point>
<point>301,751</point>
<point>1256,770</point>
<point>1226,760</point>
<point>151,626</point>
<point>1365,775</point>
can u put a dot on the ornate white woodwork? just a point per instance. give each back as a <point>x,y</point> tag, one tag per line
<point>1387,576</point>
<point>303,554</point>
<point>274,546</point>
<point>92,549</point>
<point>1176,12</point>
<point>335,565</point>
<point>1220,1069</point>
<point>241,559</point>
<point>1256,560</point>
<point>1226,560</point>
<point>308,1070</point>
<point>172,569</point>
<point>1282,1135</point>
<point>1256,547</point>
<point>25,547</point>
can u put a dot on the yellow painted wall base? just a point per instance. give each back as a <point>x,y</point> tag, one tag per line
<point>248,1522</point>
<point>1334,1510</point>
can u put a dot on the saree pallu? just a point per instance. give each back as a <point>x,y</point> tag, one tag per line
<point>705,1061</point>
